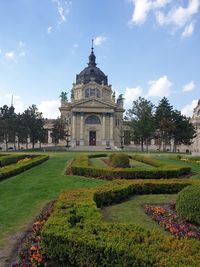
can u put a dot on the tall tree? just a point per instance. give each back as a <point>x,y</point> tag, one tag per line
<point>33,122</point>
<point>184,130</point>
<point>142,120</point>
<point>58,131</point>
<point>8,125</point>
<point>164,122</point>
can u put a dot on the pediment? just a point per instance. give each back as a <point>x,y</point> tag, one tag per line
<point>93,103</point>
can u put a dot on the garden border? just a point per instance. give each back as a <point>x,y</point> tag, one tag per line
<point>16,168</point>
<point>80,166</point>
<point>76,234</point>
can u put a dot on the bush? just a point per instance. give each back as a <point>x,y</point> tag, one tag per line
<point>75,233</point>
<point>120,161</point>
<point>80,166</point>
<point>21,165</point>
<point>188,204</point>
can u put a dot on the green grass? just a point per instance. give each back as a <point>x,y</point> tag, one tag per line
<point>23,196</point>
<point>132,211</point>
<point>98,163</point>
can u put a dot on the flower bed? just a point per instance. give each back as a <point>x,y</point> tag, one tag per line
<point>167,217</point>
<point>31,252</point>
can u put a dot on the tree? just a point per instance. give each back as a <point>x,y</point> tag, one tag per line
<point>164,122</point>
<point>58,131</point>
<point>33,122</point>
<point>142,120</point>
<point>184,130</point>
<point>8,125</point>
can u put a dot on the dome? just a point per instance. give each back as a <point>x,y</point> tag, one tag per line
<point>91,73</point>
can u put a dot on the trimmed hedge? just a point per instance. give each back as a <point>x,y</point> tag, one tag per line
<point>81,166</point>
<point>10,159</point>
<point>22,166</point>
<point>188,204</point>
<point>75,233</point>
<point>120,160</point>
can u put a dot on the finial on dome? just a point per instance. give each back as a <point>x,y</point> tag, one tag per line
<point>92,58</point>
<point>92,45</point>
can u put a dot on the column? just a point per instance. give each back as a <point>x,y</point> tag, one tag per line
<point>81,129</point>
<point>49,137</point>
<point>111,129</point>
<point>103,133</point>
<point>73,129</point>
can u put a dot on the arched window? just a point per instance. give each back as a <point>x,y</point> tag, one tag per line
<point>92,92</point>
<point>198,112</point>
<point>98,93</point>
<point>92,120</point>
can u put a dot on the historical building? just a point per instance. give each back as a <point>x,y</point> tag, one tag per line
<point>195,147</point>
<point>93,116</point>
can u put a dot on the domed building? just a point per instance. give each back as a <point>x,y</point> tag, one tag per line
<point>196,122</point>
<point>93,116</point>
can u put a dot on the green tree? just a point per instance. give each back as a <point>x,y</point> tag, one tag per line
<point>33,123</point>
<point>184,130</point>
<point>58,131</point>
<point>164,122</point>
<point>8,125</point>
<point>142,120</point>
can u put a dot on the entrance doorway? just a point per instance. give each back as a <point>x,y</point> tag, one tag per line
<point>92,138</point>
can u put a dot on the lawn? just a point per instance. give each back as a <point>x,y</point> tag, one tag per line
<point>132,211</point>
<point>23,196</point>
<point>99,163</point>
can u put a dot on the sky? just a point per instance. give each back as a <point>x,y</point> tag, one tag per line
<point>148,48</point>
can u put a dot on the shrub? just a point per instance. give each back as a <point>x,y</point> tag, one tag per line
<point>21,165</point>
<point>188,204</point>
<point>75,233</point>
<point>120,161</point>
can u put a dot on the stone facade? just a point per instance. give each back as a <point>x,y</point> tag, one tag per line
<point>93,116</point>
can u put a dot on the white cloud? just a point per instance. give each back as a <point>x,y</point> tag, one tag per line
<point>21,44</point>
<point>188,31</point>
<point>160,87</point>
<point>6,99</point>
<point>187,110</point>
<point>179,16</point>
<point>188,87</point>
<point>49,29</point>
<point>0,51</point>
<point>143,7</point>
<point>10,55</point>
<point>130,95</point>
<point>50,109</point>
<point>99,40</point>
<point>63,8</point>
<point>167,12</point>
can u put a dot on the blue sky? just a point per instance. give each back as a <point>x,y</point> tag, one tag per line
<point>148,48</point>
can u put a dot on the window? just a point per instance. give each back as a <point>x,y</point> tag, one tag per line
<point>87,92</point>
<point>92,120</point>
<point>91,92</point>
